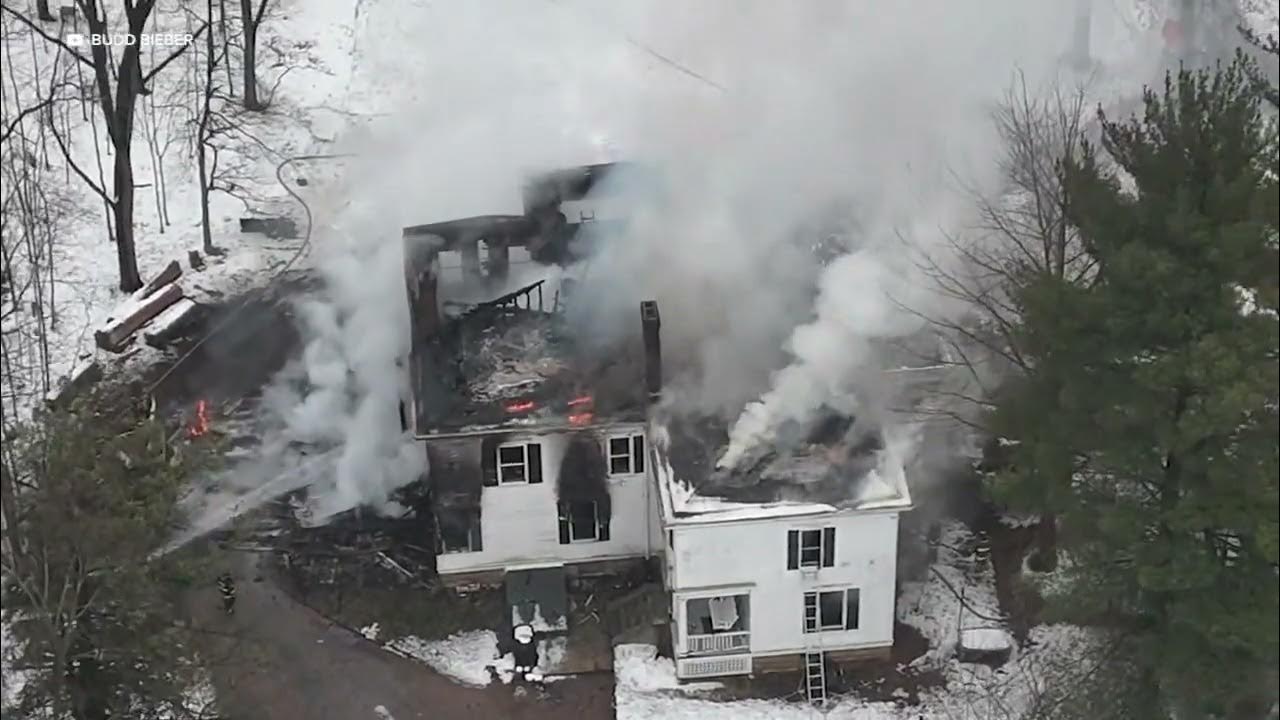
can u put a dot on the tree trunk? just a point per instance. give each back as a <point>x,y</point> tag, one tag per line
<point>126,252</point>
<point>42,8</point>
<point>1044,554</point>
<point>206,233</point>
<point>251,101</point>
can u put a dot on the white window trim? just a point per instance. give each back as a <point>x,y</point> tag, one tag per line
<point>818,550</point>
<point>499,465</point>
<point>595,523</point>
<point>630,454</point>
<point>844,610</point>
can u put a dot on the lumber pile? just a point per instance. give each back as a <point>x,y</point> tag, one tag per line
<point>138,309</point>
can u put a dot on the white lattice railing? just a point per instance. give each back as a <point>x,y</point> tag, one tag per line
<point>719,643</point>
<point>713,666</point>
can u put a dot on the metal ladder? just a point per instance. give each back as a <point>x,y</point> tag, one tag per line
<point>815,671</point>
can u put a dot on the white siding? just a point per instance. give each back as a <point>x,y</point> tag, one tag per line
<point>752,557</point>
<point>519,523</point>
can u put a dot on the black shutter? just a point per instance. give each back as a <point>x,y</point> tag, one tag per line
<point>793,549</point>
<point>489,461</point>
<point>828,547</point>
<point>534,460</point>
<point>562,512</point>
<point>603,527</point>
<point>851,610</point>
<point>477,534</point>
<point>404,421</point>
<point>637,454</point>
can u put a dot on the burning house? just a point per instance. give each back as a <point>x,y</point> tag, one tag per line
<point>546,460</point>
<point>536,447</point>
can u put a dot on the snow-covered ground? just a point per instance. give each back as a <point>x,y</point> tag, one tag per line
<point>466,657</point>
<point>471,658</point>
<point>12,679</point>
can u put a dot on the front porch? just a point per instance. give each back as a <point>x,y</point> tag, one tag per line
<point>711,633</point>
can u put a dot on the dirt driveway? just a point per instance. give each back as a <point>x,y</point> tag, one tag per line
<point>280,661</point>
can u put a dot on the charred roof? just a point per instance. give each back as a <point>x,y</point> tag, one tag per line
<point>828,461</point>
<point>505,367</point>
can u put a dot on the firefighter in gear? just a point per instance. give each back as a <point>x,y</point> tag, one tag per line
<point>227,588</point>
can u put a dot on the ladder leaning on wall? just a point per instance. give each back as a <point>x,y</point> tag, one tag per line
<point>815,671</point>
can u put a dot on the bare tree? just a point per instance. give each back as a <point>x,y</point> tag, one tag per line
<point>119,83</point>
<point>1024,236</point>
<point>251,21</point>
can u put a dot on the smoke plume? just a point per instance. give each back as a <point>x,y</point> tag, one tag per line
<point>786,134</point>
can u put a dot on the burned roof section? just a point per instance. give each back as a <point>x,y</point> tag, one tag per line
<point>829,461</point>
<point>509,367</point>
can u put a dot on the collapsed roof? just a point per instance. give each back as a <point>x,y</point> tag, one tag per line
<point>832,464</point>
<point>506,366</point>
<point>508,361</point>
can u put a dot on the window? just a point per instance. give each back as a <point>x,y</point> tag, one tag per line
<point>626,455</point>
<point>519,463</point>
<point>811,548</point>
<point>581,522</point>
<point>459,532</point>
<point>831,610</point>
<point>708,616</point>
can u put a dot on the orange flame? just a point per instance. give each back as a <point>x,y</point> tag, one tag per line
<point>580,419</point>
<point>517,407</point>
<point>200,424</point>
<point>583,400</point>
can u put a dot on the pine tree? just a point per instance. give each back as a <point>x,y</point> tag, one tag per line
<point>1149,423</point>
<point>90,494</point>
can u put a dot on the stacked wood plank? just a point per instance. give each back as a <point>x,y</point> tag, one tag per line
<point>155,297</point>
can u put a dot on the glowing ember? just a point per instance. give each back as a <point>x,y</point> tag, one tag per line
<point>517,407</point>
<point>584,400</point>
<point>200,424</point>
<point>581,418</point>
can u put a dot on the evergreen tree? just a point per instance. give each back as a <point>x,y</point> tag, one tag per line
<point>90,494</point>
<point>1149,421</point>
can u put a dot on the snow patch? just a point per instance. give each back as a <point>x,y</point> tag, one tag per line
<point>465,657</point>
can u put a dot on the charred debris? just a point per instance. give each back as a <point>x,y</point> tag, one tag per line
<point>827,460</point>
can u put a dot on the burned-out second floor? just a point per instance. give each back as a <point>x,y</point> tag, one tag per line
<point>511,498</point>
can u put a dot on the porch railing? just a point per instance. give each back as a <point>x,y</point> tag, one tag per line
<point>719,643</point>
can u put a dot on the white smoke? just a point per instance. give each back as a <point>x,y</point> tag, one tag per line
<point>356,334</point>
<point>845,119</point>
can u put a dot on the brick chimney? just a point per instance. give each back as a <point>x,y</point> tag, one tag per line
<point>651,323</point>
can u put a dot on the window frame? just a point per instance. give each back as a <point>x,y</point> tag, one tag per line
<point>633,455</point>
<point>850,610</point>
<point>565,519</point>
<point>528,473</point>
<point>475,536</point>
<point>572,519</point>
<point>803,554</point>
